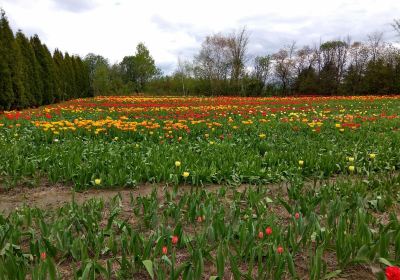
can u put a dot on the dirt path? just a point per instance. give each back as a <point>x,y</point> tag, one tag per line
<point>55,195</point>
<point>52,196</point>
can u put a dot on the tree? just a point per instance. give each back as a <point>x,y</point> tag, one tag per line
<point>98,72</point>
<point>12,60</point>
<point>284,67</point>
<point>396,25</point>
<point>333,58</point>
<point>238,50</point>
<point>6,88</point>
<point>30,70</point>
<point>101,80</point>
<point>61,80</point>
<point>139,69</point>
<point>213,63</point>
<point>46,70</point>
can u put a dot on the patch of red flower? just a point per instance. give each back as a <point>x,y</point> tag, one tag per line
<point>174,239</point>
<point>392,273</point>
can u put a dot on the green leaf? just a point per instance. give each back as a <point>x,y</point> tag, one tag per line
<point>332,274</point>
<point>85,274</point>
<point>385,262</point>
<point>148,264</point>
<point>52,269</point>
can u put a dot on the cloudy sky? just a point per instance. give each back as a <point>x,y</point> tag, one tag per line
<point>176,28</point>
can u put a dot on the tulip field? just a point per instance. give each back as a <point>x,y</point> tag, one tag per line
<point>202,188</point>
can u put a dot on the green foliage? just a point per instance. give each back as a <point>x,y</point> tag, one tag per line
<point>227,242</point>
<point>31,76</point>
<point>139,69</point>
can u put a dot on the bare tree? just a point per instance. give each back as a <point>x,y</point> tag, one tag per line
<point>305,59</point>
<point>262,68</point>
<point>183,71</point>
<point>213,61</point>
<point>238,42</point>
<point>284,66</point>
<point>376,44</point>
<point>396,25</point>
<point>358,57</point>
<point>334,59</point>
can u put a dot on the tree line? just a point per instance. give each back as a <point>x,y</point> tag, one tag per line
<point>129,76</point>
<point>31,76</point>
<point>345,67</point>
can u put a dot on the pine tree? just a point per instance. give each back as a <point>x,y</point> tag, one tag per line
<point>69,76</point>
<point>30,70</point>
<point>47,70</point>
<point>6,91</point>
<point>11,58</point>
<point>61,83</point>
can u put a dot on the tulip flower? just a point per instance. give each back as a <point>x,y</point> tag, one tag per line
<point>97,181</point>
<point>372,156</point>
<point>261,235</point>
<point>177,163</point>
<point>280,250</point>
<point>164,250</point>
<point>392,273</point>
<point>268,231</point>
<point>174,239</point>
<point>351,168</point>
<point>185,174</point>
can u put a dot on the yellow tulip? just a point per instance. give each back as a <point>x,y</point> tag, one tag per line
<point>185,174</point>
<point>97,181</point>
<point>262,136</point>
<point>372,156</point>
<point>301,162</point>
<point>351,168</point>
<point>351,159</point>
<point>177,163</point>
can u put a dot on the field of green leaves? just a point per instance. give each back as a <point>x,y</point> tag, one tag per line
<point>205,188</point>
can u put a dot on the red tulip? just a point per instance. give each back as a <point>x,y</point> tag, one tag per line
<point>279,249</point>
<point>199,219</point>
<point>174,239</point>
<point>43,256</point>
<point>164,250</point>
<point>268,230</point>
<point>392,273</point>
<point>297,215</point>
<point>261,235</point>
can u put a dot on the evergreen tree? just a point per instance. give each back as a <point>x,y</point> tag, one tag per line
<point>30,70</point>
<point>12,60</point>
<point>60,82</point>
<point>47,70</point>
<point>6,90</point>
<point>83,78</point>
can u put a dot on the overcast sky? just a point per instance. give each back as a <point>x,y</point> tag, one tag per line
<point>172,28</point>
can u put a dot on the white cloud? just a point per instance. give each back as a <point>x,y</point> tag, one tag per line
<point>176,27</point>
